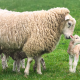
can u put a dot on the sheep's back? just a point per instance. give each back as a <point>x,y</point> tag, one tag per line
<point>16,27</point>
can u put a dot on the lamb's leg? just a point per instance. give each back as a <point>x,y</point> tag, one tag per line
<point>35,65</point>
<point>6,61</point>
<point>76,58</point>
<point>70,63</point>
<point>23,63</point>
<point>29,60</point>
<point>18,65</point>
<point>43,63</point>
<point>3,58</point>
<point>39,65</point>
<point>14,66</point>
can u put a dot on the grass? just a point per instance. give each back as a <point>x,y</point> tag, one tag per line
<point>56,61</point>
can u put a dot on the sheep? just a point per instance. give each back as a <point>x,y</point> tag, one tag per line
<point>73,51</point>
<point>35,33</point>
<point>17,63</point>
<point>18,58</point>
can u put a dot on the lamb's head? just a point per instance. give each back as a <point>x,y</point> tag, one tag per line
<point>75,39</point>
<point>69,26</point>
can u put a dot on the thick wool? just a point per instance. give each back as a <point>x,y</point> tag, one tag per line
<point>35,32</point>
<point>18,55</point>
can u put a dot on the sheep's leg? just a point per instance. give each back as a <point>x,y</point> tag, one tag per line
<point>23,63</point>
<point>35,65</point>
<point>70,63</point>
<point>6,64</point>
<point>29,60</point>
<point>14,66</point>
<point>6,61</point>
<point>39,65</point>
<point>43,63</point>
<point>18,65</point>
<point>3,61</point>
<point>76,58</point>
<point>1,56</point>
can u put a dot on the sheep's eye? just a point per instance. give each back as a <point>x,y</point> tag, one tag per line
<point>69,24</point>
<point>76,38</point>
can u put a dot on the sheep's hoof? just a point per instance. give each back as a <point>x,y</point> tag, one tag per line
<point>14,70</point>
<point>6,66</point>
<point>23,67</point>
<point>25,76</point>
<point>39,72</point>
<point>72,70</point>
<point>44,68</point>
<point>34,68</point>
<point>26,73</point>
<point>19,73</point>
<point>3,69</point>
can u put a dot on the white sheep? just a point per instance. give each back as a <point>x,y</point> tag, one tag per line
<point>35,33</point>
<point>73,51</point>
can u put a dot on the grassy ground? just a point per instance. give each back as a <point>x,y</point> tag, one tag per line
<point>57,61</point>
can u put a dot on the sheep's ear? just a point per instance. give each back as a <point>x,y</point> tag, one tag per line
<point>66,17</point>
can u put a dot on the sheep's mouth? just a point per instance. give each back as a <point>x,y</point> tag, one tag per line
<point>67,37</point>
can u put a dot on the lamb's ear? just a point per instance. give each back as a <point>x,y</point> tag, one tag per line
<point>66,17</point>
<point>71,36</point>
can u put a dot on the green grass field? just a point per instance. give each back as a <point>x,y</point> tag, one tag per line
<point>57,67</point>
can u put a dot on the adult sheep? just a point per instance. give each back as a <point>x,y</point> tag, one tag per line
<point>36,32</point>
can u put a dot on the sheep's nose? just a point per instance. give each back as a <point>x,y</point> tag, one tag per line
<point>68,37</point>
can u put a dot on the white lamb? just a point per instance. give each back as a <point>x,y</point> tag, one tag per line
<point>73,51</point>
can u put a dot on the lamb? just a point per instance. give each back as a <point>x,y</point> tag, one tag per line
<point>18,58</point>
<point>74,51</point>
<point>35,33</point>
<point>17,61</point>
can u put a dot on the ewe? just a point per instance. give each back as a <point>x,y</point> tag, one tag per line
<point>35,33</point>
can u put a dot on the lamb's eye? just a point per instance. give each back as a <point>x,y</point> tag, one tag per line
<point>76,38</point>
<point>69,24</point>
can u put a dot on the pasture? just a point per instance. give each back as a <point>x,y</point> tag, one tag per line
<point>57,62</point>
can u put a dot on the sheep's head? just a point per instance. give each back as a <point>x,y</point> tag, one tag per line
<point>69,26</point>
<point>75,39</point>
